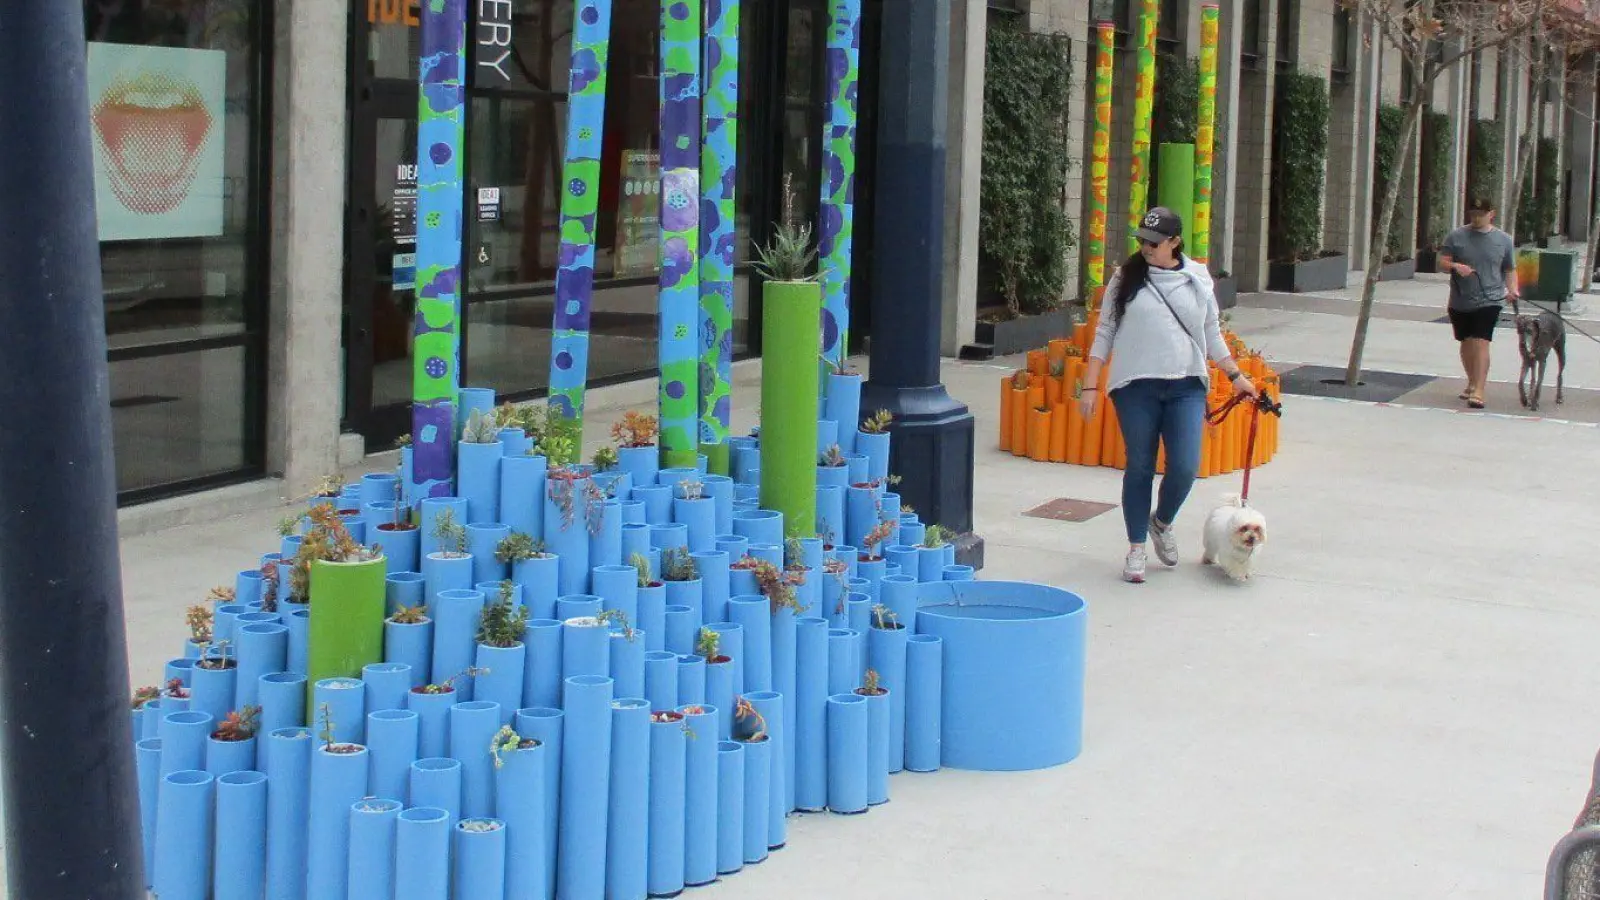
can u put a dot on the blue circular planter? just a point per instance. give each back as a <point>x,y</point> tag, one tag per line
<point>1013,672</point>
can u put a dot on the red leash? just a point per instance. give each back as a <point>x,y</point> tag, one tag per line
<point>1220,414</point>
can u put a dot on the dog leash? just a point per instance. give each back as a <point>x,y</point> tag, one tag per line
<point>1262,403</point>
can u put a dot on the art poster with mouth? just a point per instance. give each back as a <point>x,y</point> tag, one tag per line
<point>156,114</point>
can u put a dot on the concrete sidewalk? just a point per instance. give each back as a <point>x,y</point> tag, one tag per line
<point>1401,705</point>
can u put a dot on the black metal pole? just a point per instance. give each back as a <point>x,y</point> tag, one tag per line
<point>933,434</point>
<point>71,811</point>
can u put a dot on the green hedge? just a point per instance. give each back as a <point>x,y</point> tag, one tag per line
<point>1385,165</point>
<point>1299,164</point>
<point>1437,138</point>
<point>1177,110</point>
<point>1023,230</point>
<point>1547,178</point>
<point>1485,158</point>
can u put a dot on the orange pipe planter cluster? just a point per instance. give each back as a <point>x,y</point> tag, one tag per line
<point>1039,415</point>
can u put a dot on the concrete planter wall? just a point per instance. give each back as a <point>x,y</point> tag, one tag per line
<point>1025,333</point>
<point>1324,274</point>
<point>1398,271</point>
<point>1226,288</point>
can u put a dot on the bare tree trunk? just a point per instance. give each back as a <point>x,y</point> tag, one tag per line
<point>1536,85</point>
<point>1594,243</point>
<point>1369,284</point>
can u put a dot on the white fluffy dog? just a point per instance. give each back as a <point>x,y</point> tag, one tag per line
<point>1234,533</point>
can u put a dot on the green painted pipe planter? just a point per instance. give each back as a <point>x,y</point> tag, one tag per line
<point>347,611</point>
<point>791,332</point>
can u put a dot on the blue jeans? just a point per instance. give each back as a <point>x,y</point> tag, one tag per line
<point>1152,411</point>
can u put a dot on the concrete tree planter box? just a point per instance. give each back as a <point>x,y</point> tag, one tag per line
<point>1400,270</point>
<point>1226,287</point>
<point>1323,274</point>
<point>1025,333</point>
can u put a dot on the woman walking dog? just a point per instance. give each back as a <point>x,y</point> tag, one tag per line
<point>1159,329</point>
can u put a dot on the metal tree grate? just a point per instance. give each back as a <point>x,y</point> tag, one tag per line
<point>1067,509</point>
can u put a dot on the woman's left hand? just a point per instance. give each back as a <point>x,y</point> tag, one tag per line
<point>1244,385</point>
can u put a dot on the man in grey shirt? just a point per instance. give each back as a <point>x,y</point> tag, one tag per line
<point>1482,262</point>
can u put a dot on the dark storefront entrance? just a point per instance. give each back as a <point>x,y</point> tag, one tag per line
<point>514,148</point>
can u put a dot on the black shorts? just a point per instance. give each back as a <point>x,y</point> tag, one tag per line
<point>1475,323</point>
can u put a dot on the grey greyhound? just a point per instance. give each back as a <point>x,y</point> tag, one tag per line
<point>1536,337</point>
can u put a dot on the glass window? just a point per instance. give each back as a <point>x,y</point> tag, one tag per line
<point>1250,42</point>
<point>1341,41</point>
<point>1169,28</point>
<point>1288,40</point>
<point>175,123</point>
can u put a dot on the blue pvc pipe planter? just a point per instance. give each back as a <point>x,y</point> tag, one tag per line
<point>657,500</point>
<point>540,578</point>
<point>958,573</point>
<point>337,780</point>
<point>344,701</point>
<point>886,654</point>
<point>844,666</point>
<point>691,680</point>
<point>742,583</point>
<point>241,859</point>
<point>402,546</point>
<point>626,667</point>
<point>393,737</point>
<point>699,520</point>
<point>480,858</point>
<point>1013,653</point>
<point>223,618</point>
<point>842,403</point>
<point>299,622</point>
<point>858,612</point>
<point>635,541</point>
<point>720,489</point>
<point>730,807</point>
<point>288,761</point>
<point>410,645</point>
<point>682,623</point>
<point>735,545</point>
<point>520,802</point>
<point>431,508</point>
<point>912,533</point>
<point>548,727</point>
<point>830,508</point>
<point>211,690</point>
<point>687,593</point>
<point>653,615</point>
<point>714,584</point>
<point>827,435</point>
<point>930,564</point>
<point>247,586</point>
<point>433,721</point>
<point>455,636</point>
<point>491,591</point>
<point>482,539</point>
<point>906,557</point>
<point>263,650</point>
<point>760,526</point>
<point>223,757</point>
<point>183,865</point>
<point>472,728</point>
<point>585,792</point>
<point>860,513</point>
<point>668,760</point>
<point>618,589</point>
<point>641,463</point>
<point>541,684</point>
<point>770,706</point>
<point>478,479</point>
<point>386,684</point>
<point>403,588</point>
<point>661,680</point>
<point>522,481</point>
<point>517,443</point>
<point>847,753</point>
<point>422,854</point>
<point>719,693</point>
<point>700,787</point>
<point>875,447</point>
<point>585,648</point>
<point>568,540</point>
<point>730,643</point>
<point>784,677</point>
<point>753,615</point>
<point>372,848</point>
<point>923,702</point>
<point>873,571</point>
<point>632,514</point>
<point>577,606</point>
<point>147,757</point>
<point>877,748</point>
<point>669,535</point>
<point>502,680</point>
<point>899,593</point>
<point>435,781</point>
<point>627,818</point>
<point>605,545</point>
<point>183,740</point>
<point>772,553</point>
<point>757,796</point>
<point>811,714</point>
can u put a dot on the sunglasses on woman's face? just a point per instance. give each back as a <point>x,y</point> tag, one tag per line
<point>1151,244</point>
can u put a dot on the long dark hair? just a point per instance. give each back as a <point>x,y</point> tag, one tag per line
<point>1132,275</point>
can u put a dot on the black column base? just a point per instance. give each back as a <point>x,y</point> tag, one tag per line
<point>932,452</point>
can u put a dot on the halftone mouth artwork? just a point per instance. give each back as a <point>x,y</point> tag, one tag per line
<point>151,127</point>
<point>157,117</point>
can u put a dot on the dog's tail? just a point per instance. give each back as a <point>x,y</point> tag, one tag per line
<point>1232,500</point>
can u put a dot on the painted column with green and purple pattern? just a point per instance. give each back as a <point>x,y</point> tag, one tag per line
<point>680,232</point>
<point>843,60</point>
<point>580,207</point>
<point>719,175</point>
<point>436,351</point>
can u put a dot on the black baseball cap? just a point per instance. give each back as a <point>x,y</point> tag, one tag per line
<point>1159,224</point>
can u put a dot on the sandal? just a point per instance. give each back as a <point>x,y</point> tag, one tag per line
<point>1474,402</point>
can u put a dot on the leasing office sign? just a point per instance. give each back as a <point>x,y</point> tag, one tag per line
<point>495,62</point>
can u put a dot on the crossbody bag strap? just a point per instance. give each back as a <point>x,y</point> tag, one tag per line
<point>1177,318</point>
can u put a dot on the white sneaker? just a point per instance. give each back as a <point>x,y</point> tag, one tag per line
<point>1166,543</point>
<point>1133,569</point>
